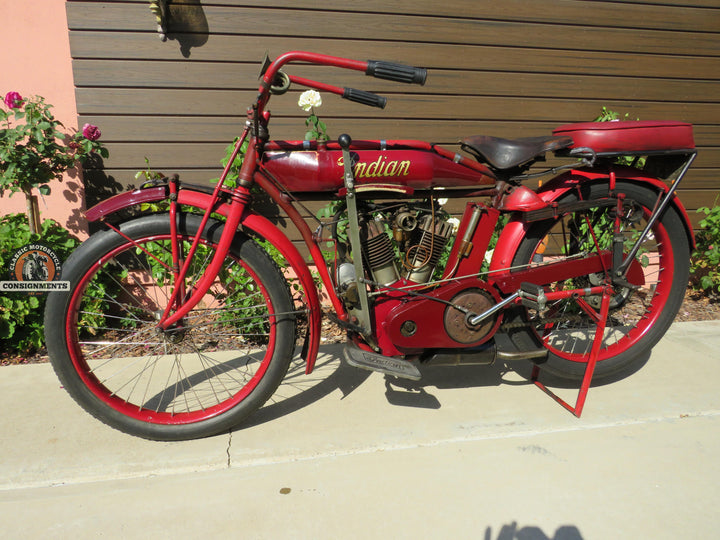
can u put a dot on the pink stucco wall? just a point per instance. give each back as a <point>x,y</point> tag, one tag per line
<point>36,53</point>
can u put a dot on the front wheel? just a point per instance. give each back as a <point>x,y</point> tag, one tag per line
<point>638,318</point>
<point>202,376</point>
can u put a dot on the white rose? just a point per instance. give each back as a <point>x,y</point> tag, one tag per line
<point>309,99</point>
<point>489,255</point>
<point>443,201</point>
<point>455,222</point>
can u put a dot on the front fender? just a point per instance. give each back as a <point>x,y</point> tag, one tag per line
<point>125,199</point>
<point>264,228</point>
<point>513,233</point>
<point>250,220</point>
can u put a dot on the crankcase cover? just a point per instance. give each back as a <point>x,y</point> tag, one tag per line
<point>421,323</point>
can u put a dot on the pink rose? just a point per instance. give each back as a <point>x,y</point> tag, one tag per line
<point>13,100</point>
<point>90,132</point>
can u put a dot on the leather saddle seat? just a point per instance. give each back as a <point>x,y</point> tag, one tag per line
<point>510,153</point>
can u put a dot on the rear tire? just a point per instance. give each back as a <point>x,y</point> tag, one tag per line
<point>204,376</point>
<point>637,318</point>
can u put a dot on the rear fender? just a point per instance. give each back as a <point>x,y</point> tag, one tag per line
<point>250,220</point>
<point>513,233</point>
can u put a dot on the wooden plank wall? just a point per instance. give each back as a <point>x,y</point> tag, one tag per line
<point>512,68</point>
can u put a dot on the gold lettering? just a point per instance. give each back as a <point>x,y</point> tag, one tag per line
<point>379,168</point>
<point>359,169</point>
<point>372,168</point>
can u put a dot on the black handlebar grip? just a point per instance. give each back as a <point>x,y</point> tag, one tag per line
<point>366,98</point>
<point>396,72</point>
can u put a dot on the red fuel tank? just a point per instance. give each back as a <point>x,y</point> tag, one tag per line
<point>303,167</point>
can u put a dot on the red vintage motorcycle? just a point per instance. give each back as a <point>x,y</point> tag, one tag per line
<point>181,323</point>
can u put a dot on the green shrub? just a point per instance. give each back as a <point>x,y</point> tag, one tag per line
<point>21,315</point>
<point>705,262</point>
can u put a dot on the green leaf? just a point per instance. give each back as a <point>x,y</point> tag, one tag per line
<point>44,189</point>
<point>7,329</point>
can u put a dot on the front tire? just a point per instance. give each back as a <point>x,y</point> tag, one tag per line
<point>637,318</point>
<point>202,377</point>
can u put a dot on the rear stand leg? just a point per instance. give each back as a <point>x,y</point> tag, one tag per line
<point>601,321</point>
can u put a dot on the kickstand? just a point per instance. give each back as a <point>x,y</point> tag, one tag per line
<point>601,321</point>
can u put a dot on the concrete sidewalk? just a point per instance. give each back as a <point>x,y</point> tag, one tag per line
<point>473,452</point>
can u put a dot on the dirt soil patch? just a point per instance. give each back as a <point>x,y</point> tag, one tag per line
<point>698,307</point>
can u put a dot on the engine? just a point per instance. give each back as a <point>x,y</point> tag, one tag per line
<point>398,241</point>
<point>404,243</point>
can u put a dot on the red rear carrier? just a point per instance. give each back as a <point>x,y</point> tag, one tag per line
<point>630,137</point>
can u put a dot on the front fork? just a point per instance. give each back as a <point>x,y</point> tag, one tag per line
<point>179,305</point>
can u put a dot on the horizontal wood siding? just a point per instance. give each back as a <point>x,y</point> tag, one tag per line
<point>512,68</point>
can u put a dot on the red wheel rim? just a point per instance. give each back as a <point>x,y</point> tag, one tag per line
<point>131,410</point>
<point>652,312</point>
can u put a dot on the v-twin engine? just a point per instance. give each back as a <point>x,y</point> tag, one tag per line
<point>404,242</point>
<point>408,245</point>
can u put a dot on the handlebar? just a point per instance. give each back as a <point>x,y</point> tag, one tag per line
<point>366,98</point>
<point>374,68</point>
<point>396,72</point>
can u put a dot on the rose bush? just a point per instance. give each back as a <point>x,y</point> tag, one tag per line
<point>34,151</point>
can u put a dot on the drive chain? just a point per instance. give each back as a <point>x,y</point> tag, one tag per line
<point>549,320</point>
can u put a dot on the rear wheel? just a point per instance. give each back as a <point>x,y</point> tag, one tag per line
<point>204,375</point>
<point>638,317</point>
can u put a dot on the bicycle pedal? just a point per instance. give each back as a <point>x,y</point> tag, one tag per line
<point>532,296</point>
<point>383,364</point>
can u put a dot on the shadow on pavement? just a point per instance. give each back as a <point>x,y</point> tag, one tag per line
<point>299,390</point>
<point>512,532</point>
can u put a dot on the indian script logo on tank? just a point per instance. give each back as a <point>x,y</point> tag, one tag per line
<point>34,269</point>
<point>380,168</point>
